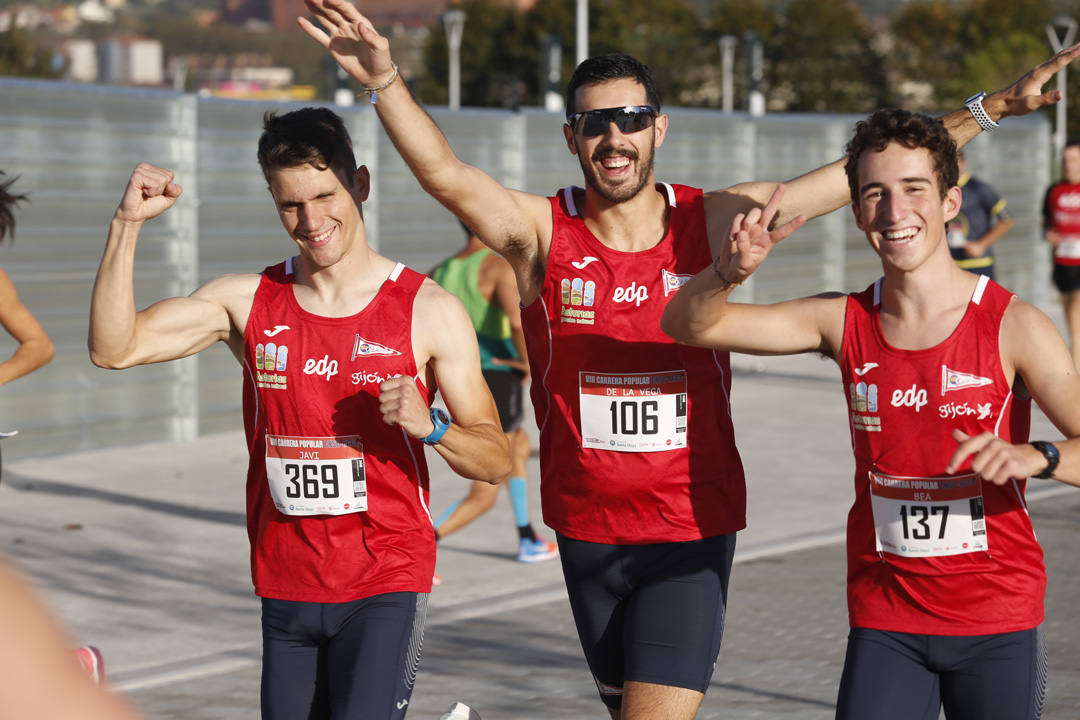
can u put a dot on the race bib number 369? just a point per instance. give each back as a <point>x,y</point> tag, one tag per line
<point>928,517</point>
<point>633,412</point>
<point>316,475</point>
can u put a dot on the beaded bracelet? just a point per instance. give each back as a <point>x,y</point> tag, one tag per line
<point>374,92</point>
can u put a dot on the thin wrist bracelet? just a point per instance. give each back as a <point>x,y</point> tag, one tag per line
<point>374,92</point>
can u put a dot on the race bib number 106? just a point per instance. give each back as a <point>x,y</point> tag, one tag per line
<point>316,475</point>
<point>633,412</point>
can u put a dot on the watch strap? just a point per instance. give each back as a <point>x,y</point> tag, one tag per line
<point>1050,452</point>
<point>441,421</point>
<point>975,107</point>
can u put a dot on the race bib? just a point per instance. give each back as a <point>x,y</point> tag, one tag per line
<point>316,475</point>
<point>928,517</point>
<point>636,412</point>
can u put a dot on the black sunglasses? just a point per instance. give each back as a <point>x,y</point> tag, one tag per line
<point>629,119</point>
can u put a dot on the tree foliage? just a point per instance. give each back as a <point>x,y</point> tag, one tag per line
<point>22,56</point>
<point>821,59</point>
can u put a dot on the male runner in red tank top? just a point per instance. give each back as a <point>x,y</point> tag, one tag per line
<point>945,577</point>
<point>638,462</point>
<point>342,351</point>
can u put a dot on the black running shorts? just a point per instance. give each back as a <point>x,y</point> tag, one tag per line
<point>900,676</point>
<point>506,388</point>
<point>648,613</point>
<point>1066,278</point>
<point>355,659</point>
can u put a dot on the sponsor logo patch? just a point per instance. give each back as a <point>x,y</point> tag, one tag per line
<point>577,295</point>
<point>864,402</point>
<point>271,361</point>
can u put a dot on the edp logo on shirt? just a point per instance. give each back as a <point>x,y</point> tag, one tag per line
<point>325,368</point>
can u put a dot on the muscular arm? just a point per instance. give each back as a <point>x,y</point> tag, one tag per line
<point>510,222</point>
<point>443,337</point>
<point>1033,351</point>
<point>825,189</point>
<point>119,336</point>
<point>701,315</point>
<point>35,349</point>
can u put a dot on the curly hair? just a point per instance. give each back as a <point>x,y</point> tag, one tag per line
<point>310,136</point>
<point>910,129</point>
<point>602,68</point>
<point>8,201</point>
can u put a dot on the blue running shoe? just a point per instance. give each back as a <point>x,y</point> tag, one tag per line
<point>538,550</point>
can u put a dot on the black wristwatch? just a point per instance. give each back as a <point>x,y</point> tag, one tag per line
<point>1050,452</point>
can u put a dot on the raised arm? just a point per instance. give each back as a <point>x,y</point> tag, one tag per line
<point>474,446</point>
<point>701,315</point>
<point>121,337</point>
<point>35,349</point>
<point>510,222</point>
<point>1033,349</point>
<point>825,189</point>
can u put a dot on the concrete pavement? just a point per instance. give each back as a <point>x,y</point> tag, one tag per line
<point>142,551</point>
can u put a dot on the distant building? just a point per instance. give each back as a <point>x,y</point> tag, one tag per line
<point>131,61</point>
<point>82,60</point>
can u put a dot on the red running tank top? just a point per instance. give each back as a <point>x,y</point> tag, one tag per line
<point>311,414</point>
<point>1061,212</point>
<point>930,553</point>
<point>636,438</point>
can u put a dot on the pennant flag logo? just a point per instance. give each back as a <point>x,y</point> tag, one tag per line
<point>366,347</point>
<point>955,380</point>
<point>673,282</point>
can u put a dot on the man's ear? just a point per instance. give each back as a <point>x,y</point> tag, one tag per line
<point>361,184</point>
<point>571,141</point>
<point>660,126</point>
<point>954,198</point>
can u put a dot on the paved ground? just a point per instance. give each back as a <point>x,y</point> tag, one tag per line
<point>142,551</point>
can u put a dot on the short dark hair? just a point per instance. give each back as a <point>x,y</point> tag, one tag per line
<point>8,201</point>
<point>910,129</point>
<point>310,136</point>
<point>602,68</point>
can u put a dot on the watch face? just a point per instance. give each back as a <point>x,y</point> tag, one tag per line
<point>973,98</point>
<point>442,416</point>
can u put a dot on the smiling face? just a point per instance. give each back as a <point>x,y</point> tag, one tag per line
<point>319,210</point>
<point>616,166</point>
<point>900,205</point>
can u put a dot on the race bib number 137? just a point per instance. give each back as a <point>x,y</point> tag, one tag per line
<point>928,517</point>
<point>633,412</point>
<point>316,475</point>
